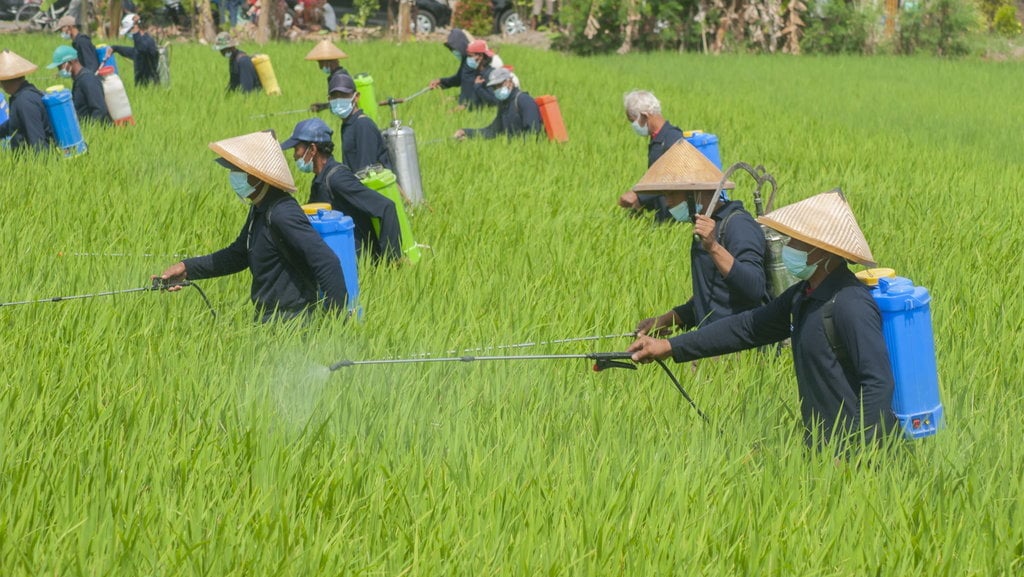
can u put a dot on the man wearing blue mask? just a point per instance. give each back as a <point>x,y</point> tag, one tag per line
<point>840,394</point>
<point>643,111</point>
<point>87,89</point>
<point>338,186</point>
<point>82,44</point>
<point>291,265</point>
<point>242,75</point>
<point>727,253</point>
<point>326,55</point>
<point>362,144</point>
<point>466,75</point>
<point>481,59</point>
<point>518,114</point>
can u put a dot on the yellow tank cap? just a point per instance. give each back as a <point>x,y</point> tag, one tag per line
<point>55,88</point>
<point>315,206</point>
<point>689,133</point>
<point>870,276</point>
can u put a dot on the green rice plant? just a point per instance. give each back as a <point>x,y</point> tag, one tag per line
<point>140,437</point>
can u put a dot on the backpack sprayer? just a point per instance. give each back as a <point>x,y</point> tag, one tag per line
<point>779,279</point>
<point>602,361</point>
<point>401,143</point>
<point>159,284</point>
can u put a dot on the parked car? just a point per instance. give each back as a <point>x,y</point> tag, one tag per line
<point>430,14</point>
<point>9,9</point>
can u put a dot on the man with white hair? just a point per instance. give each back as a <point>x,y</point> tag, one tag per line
<point>643,111</point>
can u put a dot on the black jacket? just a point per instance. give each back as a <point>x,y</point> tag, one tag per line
<point>666,137</point>
<point>362,144</point>
<point>28,124</point>
<point>831,395</point>
<point>714,296</point>
<point>284,278</point>
<point>86,51</point>
<point>337,185</point>
<point>464,77</point>
<point>242,73</point>
<point>145,56</point>
<point>517,115</point>
<point>87,94</point>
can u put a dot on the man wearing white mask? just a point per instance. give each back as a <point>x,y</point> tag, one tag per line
<point>518,114</point>
<point>82,44</point>
<point>643,111</point>
<point>289,262</point>
<point>841,393</point>
<point>727,253</point>
<point>362,144</point>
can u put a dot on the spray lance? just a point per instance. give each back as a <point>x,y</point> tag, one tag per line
<point>159,284</point>
<point>602,361</point>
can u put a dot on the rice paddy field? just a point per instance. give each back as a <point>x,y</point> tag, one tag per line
<point>139,436</point>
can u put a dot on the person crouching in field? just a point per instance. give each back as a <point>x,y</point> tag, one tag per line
<point>643,111</point>
<point>840,394</point>
<point>27,125</point>
<point>242,75</point>
<point>338,186</point>
<point>727,256</point>
<point>86,90</point>
<point>518,114</point>
<point>288,260</point>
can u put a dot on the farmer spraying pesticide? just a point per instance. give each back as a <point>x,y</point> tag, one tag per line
<point>27,124</point>
<point>643,111</point>
<point>518,114</point>
<point>288,260</point>
<point>326,56</point>
<point>144,53</point>
<point>362,144</point>
<point>242,75</point>
<point>87,89</point>
<point>838,397</point>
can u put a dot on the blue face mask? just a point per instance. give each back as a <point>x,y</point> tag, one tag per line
<point>641,130</point>
<point>502,93</point>
<point>681,211</point>
<point>65,36</point>
<point>326,70</point>
<point>795,262</point>
<point>457,54</point>
<point>304,165</point>
<point>342,107</point>
<point>473,63</point>
<point>240,184</point>
<point>64,73</point>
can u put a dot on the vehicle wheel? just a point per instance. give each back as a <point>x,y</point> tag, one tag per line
<point>425,22</point>
<point>510,22</point>
<point>25,15</point>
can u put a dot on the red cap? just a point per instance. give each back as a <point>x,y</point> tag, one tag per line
<point>479,47</point>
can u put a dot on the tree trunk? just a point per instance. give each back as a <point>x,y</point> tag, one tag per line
<point>263,28</point>
<point>206,29</point>
<point>632,19</point>
<point>404,20</point>
<point>113,19</point>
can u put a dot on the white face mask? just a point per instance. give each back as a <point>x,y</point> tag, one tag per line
<point>640,130</point>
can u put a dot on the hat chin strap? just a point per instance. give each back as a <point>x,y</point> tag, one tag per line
<point>261,192</point>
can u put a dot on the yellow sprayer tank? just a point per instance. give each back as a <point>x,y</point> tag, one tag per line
<point>265,70</point>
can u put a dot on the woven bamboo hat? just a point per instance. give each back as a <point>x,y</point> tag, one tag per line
<point>682,167</point>
<point>824,221</point>
<point>14,66</point>
<point>257,154</point>
<point>325,50</point>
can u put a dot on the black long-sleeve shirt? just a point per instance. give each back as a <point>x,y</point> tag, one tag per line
<point>337,185</point>
<point>286,278</point>
<point>464,77</point>
<point>517,114</point>
<point>86,51</point>
<point>660,142</point>
<point>145,56</point>
<point>28,124</point>
<point>87,94</point>
<point>362,144</point>
<point>242,73</point>
<point>854,394</point>
<point>714,296</point>
<point>483,95</point>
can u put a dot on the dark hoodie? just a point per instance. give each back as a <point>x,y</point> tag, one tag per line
<point>464,77</point>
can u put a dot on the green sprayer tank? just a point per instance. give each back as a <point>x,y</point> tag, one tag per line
<point>383,181</point>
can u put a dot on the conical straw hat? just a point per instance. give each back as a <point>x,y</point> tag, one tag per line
<point>824,221</point>
<point>682,167</point>
<point>257,154</point>
<point>325,50</point>
<point>14,66</point>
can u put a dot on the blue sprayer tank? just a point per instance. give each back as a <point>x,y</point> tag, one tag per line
<point>61,112</point>
<point>907,328</point>
<point>706,143</point>
<point>4,114</point>
<point>101,52</point>
<point>338,231</point>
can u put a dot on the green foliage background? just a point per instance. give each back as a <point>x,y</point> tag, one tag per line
<point>138,437</point>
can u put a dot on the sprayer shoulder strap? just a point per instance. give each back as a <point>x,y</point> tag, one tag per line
<point>828,316</point>
<point>721,229</point>
<point>327,179</point>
